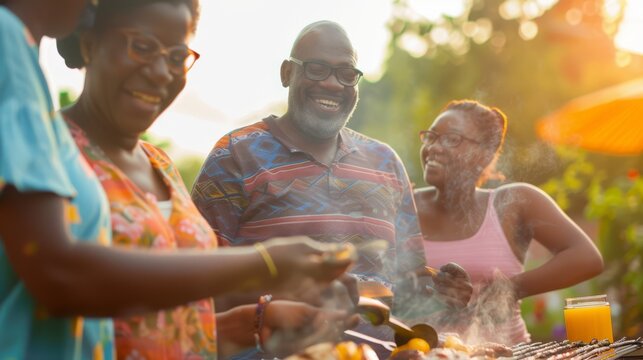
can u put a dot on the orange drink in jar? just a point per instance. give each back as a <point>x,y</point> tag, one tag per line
<point>588,318</point>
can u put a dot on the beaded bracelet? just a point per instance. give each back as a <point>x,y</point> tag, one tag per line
<point>263,302</point>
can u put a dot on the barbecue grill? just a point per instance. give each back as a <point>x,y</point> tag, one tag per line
<point>578,350</point>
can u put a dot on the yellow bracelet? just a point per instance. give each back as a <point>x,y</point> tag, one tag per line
<point>272,268</point>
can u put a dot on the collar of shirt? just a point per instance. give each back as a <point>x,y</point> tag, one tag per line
<point>345,143</point>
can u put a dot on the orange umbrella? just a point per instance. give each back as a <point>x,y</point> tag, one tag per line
<point>608,121</point>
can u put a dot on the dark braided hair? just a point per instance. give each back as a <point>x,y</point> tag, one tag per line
<point>98,18</point>
<point>491,121</point>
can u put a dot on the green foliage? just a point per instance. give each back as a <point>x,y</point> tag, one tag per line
<point>189,167</point>
<point>616,203</point>
<point>618,207</point>
<point>527,79</point>
<point>569,189</point>
<point>66,98</point>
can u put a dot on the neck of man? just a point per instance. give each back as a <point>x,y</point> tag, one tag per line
<point>321,149</point>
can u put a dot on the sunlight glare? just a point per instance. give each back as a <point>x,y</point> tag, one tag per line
<point>531,10</point>
<point>452,8</point>
<point>612,8</point>
<point>510,9</point>
<point>546,4</point>
<point>413,44</point>
<point>623,58</point>
<point>574,16</point>
<point>628,37</point>
<point>439,35</point>
<point>485,29</point>
<point>528,30</point>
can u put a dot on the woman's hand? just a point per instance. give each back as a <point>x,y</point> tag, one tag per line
<point>453,284</point>
<point>301,262</point>
<point>292,326</point>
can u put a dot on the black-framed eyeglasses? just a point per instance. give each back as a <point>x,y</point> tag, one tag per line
<point>145,48</point>
<point>450,139</point>
<point>319,71</point>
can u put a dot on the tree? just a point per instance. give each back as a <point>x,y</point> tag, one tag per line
<point>525,78</point>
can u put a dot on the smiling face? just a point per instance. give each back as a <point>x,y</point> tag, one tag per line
<point>457,165</point>
<point>128,94</point>
<point>320,109</point>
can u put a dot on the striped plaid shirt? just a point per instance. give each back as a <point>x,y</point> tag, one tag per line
<point>255,185</point>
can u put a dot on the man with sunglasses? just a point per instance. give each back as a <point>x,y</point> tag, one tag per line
<point>305,173</point>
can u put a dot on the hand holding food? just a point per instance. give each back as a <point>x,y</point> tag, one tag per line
<point>453,284</point>
<point>291,259</point>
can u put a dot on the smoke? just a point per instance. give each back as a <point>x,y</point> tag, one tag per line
<point>487,317</point>
<point>490,312</point>
<point>317,325</point>
<point>533,164</point>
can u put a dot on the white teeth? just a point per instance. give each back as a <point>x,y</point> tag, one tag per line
<point>433,163</point>
<point>147,98</point>
<point>327,103</point>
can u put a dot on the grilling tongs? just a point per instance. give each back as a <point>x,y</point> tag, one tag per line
<point>378,313</point>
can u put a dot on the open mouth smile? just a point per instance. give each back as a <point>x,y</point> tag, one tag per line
<point>329,105</point>
<point>148,98</point>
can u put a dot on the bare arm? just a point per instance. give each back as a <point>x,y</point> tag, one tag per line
<point>575,257</point>
<point>74,278</point>
<point>288,327</point>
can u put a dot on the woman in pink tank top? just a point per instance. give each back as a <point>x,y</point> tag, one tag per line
<point>488,232</point>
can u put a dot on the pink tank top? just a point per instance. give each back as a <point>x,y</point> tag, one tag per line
<point>484,254</point>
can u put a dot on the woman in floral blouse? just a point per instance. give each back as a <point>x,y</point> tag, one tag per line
<point>136,58</point>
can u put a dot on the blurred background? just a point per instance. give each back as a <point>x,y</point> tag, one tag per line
<point>568,73</point>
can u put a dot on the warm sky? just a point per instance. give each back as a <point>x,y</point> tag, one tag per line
<point>243,43</point>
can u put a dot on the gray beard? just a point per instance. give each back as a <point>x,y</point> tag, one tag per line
<point>317,127</point>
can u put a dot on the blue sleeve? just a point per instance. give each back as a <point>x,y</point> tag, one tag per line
<point>31,134</point>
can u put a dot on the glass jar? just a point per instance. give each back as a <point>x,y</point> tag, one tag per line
<point>588,318</point>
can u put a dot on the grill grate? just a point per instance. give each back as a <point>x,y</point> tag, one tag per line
<point>577,350</point>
